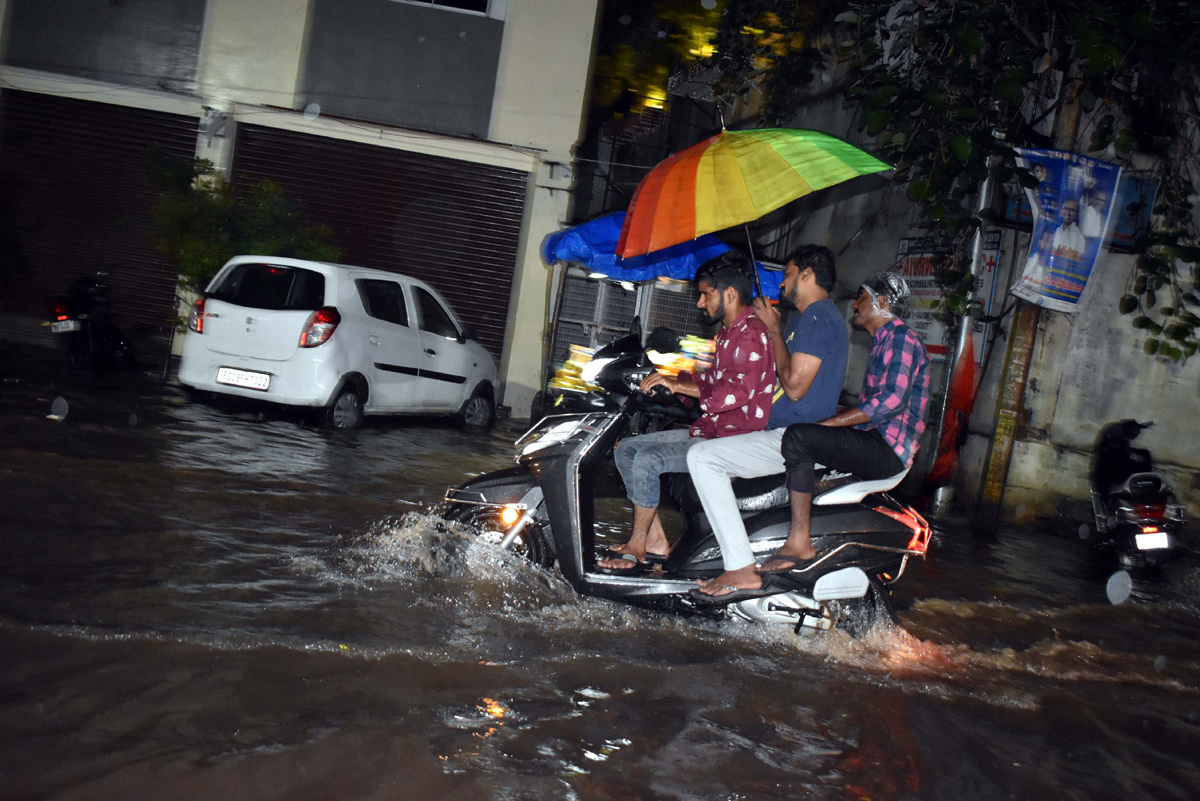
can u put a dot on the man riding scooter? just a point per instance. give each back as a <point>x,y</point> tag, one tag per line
<point>734,394</point>
<point>876,440</point>
<point>810,358</point>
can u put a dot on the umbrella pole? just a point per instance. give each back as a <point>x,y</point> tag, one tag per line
<point>753,263</point>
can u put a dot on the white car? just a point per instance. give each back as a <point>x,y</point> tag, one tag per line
<point>349,340</point>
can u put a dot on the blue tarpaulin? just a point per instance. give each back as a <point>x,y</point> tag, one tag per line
<point>593,244</point>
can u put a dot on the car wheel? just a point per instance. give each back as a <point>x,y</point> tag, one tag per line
<point>480,411</point>
<point>346,411</point>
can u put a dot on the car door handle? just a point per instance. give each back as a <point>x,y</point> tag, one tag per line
<point>375,340</point>
<point>431,351</point>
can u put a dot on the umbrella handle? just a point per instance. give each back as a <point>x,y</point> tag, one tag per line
<point>753,263</point>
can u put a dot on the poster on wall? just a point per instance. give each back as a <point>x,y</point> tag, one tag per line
<point>1072,215</point>
<point>919,260</point>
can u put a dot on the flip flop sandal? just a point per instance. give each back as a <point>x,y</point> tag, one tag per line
<point>652,559</point>
<point>733,596</point>
<point>636,568</point>
<point>793,563</point>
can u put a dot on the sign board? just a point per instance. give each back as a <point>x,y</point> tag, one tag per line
<point>920,260</point>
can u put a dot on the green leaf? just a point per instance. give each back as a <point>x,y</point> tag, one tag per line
<point>1141,322</point>
<point>967,114</point>
<point>936,212</point>
<point>1128,304</point>
<point>962,147</point>
<point>877,121</point>
<point>920,190</point>
<point>1151,347</point>
<point>969,39</point>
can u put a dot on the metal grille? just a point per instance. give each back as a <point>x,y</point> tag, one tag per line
<point>674,306</point>
<point>452,223</point>
<point>592,313</point>
<point>74,198</point>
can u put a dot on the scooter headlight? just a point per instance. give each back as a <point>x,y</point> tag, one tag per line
<point>509,515</point>
<point>592,369</point>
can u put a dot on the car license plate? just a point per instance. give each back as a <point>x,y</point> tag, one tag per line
<point>63,326</point>
<point>1152,541</point>
<point>243,378</point>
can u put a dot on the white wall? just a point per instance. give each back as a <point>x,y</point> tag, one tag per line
<point>251,51</point>
<point>541,92</point>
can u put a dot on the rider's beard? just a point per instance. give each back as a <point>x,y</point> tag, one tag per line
<point>713,319</point>
<point>787,300</point>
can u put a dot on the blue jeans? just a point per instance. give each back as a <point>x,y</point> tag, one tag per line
<point>642,461</point>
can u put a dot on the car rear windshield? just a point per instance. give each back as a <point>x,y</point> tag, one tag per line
<point>272,286</point>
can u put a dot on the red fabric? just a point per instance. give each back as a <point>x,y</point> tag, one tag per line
<point>736,392</point>
<point>958,416</point>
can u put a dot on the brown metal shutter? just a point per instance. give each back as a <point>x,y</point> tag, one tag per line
<point>451,223</point>
<point>74,199</point>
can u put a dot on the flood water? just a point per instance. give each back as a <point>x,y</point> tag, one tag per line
<point>202,602</point>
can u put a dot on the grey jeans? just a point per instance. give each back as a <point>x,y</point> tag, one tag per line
<point>642,461</point>
<point>714,463</point>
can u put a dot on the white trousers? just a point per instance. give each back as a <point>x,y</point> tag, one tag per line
<point>714,463</point>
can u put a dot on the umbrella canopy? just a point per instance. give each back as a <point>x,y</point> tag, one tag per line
<point>593,244</point>
<point>735,177</point>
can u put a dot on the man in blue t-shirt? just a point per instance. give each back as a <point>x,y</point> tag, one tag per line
<point>810,362</point>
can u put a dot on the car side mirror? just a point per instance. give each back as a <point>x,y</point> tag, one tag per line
<point>469,332</point>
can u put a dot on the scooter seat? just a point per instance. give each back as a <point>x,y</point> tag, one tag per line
<point>855,492</point>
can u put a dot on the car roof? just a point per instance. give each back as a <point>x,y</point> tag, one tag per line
<point>329,268</point>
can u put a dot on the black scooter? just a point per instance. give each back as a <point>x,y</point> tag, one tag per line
<point>1136,514</point>
<point>544,508</point>
<point>83,317</point>
<point>611,369</point>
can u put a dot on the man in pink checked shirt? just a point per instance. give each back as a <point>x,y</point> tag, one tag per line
<point>735,395</point>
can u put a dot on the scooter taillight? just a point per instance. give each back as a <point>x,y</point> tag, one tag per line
<point>319,327</point>
<point>196,318</point>
<point>61,311</point>
<point>1149,511</point>
<point>920,527</point>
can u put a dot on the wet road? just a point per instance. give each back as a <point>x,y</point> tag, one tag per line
<point>204,602</point>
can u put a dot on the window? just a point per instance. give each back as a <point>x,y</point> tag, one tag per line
<point>383,300</point>
<point>273,287</point>
<point>434,318</point>
<point>493,8</point>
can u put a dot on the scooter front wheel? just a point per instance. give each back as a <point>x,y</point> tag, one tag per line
<point>532,543</point>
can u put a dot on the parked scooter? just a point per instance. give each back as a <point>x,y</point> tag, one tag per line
<point>544,508</point>
<point>1136,512</point>
<point>82,317</point>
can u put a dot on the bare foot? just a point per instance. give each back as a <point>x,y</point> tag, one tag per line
<point>744,578</point>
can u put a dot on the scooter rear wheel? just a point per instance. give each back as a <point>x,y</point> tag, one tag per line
<point>859,616</point>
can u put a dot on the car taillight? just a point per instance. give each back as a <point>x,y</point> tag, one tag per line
<point>61,311</point>
<point>319,327</point>
<point>196,318</point>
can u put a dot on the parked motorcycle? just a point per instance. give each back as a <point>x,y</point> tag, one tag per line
<point>82,316</point>
<point>1137,514</point>
<point>544,508</point>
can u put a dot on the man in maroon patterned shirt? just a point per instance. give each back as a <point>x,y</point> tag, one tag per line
<point>735,395</point>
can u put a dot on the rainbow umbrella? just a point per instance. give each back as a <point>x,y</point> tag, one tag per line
<point>735,177</point>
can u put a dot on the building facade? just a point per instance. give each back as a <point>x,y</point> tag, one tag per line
<point>432,138</point>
